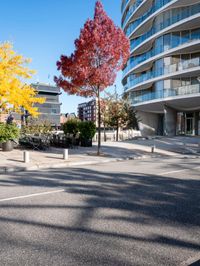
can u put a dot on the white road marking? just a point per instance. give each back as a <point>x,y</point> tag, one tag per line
<point>179,171</point>
<point>33,195</point>
<point>62,190</point>
<point>165,142</point>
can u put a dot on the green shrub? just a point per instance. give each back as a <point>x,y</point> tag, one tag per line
<point>71,127</point>
<point>8,132</point>
<point>87,129</point>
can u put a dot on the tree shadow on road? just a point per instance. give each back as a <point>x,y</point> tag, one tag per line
<point>130,199</point>
<point>168,198</point>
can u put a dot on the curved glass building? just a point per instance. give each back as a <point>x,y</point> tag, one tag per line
<point>162,76</point>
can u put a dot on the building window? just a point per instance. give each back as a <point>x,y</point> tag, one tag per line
<point>53,111</point>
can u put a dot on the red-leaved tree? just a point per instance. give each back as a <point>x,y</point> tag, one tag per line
<point>100,52</point>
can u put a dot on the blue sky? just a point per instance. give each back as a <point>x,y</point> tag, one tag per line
<point>45,29</point>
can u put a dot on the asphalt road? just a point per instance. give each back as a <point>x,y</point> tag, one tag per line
<point>127,213</point>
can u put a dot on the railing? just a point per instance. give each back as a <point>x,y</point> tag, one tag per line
<point>184,13</point>
<point>131,10</point>
<point>157,5</point>
<point>180,91</point>
<point>124,5</point>
<point>193,36</point>
<point>187,64</point>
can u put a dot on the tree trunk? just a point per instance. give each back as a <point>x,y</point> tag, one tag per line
<point>117,133</point>
<point>99,123</point>
<point>104,132</point>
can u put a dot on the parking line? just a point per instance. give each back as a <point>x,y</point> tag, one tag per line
<point>179,171</point>
<point>32,195</point>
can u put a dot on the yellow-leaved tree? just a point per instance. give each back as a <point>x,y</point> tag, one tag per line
<point>15,94</point>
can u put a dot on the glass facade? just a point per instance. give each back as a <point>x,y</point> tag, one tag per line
<point>163,63</point>
<point>165,20</point>
<point>162,44</point>
<point>157,4</point>
<point>158,93</point>
<point>162,75</point>
<point>130,9</point>
<point>165,66</point>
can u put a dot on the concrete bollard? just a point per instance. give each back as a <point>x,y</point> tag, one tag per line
<point>65,154</point>
<point>26,157</point>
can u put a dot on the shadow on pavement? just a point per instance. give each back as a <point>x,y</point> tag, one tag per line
<point>147,199</point>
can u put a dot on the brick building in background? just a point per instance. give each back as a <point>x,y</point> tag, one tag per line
<point>87,111</point>
<point>66,117</point>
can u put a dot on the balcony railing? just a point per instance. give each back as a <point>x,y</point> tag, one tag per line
<point>182,13</point>
<point>157,5</point>
<point>131,10</point>
<point>180,91</point>
<point>124,5</point>
<point>173,68</point>
<point>193,36</point>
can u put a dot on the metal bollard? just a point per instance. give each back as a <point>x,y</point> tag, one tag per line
<point>152,149</point>
<point>26,157</point>
<point>65,154</point>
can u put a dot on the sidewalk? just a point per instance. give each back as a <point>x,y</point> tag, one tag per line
<point>112,151</point>
<point>53,158</point>
<point>13,161</point>
<point>179,144</point>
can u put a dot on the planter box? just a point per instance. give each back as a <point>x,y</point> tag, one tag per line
<point>7,146</point>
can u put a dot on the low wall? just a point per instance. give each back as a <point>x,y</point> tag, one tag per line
<point>123,135</point>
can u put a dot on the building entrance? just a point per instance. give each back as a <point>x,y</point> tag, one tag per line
<point>185,123</point>
<point>189,124</point>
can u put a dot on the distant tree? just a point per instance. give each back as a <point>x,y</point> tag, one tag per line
<point>116,113</point>
<point>132,119</point>
<point>119,113</point>
<point>132,116</point>
<point>100,52</point>
<point>15,94</point>
<point>104,115</point>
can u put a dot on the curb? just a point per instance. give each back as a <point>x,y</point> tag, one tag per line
<point>36,167</point>
<point>191,261</point>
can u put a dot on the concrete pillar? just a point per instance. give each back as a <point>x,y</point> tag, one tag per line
<point>148,123</point>
<point>170,117</point>
<point>197,123</point>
